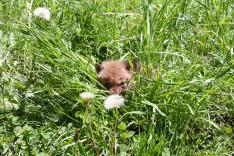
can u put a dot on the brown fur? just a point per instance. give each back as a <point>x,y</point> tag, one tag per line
<point>114,75</point>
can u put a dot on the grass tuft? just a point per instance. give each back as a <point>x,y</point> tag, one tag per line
<point>182,100</point>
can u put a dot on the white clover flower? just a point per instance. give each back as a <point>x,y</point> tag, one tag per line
<point>42,13</point>
<point>86,96</point>
<point>113,101</point>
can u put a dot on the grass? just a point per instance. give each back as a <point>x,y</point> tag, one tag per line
<point>185,109</point>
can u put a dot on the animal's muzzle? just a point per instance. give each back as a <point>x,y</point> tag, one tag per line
<point>118,89</point>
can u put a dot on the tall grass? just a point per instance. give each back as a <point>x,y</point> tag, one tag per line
<point>186,108</point>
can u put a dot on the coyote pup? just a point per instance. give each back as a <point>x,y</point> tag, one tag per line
<point>114,75</point>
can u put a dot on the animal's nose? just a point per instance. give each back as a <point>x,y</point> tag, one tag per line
<point>116,90</point>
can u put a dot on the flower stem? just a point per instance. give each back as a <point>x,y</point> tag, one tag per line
<point>113,137</point>
<point>85,114</point>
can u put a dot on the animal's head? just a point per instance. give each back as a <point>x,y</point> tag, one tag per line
<point>114,75</point>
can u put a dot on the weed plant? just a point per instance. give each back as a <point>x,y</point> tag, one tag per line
<point>185,108</point>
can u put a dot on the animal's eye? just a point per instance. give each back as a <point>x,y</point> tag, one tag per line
<point>122,83</point>
<point>107,85</point>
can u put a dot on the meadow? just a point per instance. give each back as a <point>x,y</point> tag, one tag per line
<point>186,108</point>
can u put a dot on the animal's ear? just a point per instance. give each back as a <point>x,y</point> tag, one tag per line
<point>136,63</point>
<point>98,67</point>
<point>127,65</point>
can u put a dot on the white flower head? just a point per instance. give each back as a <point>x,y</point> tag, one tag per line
<point>113,101</point>
<point>42,13</point>
<point>86,96</point>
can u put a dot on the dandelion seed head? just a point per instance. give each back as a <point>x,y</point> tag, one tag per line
<point>113,101</point>
<point>86,96</point>
<point>42,13</point>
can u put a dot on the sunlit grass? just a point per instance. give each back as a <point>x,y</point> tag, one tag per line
<point>181,102</point>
